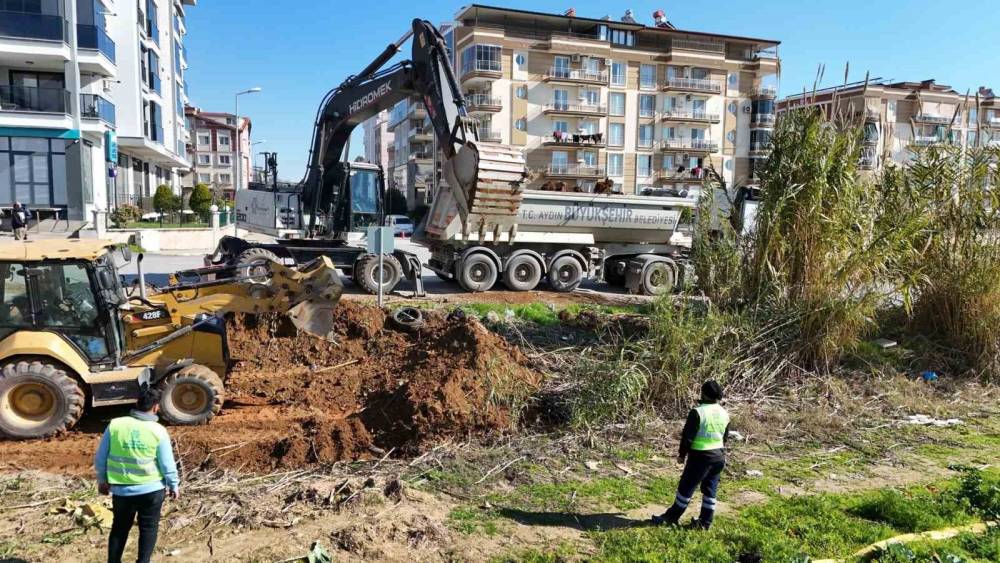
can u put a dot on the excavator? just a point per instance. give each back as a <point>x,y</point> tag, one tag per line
<point>336,197</point>
<point>72,337</point>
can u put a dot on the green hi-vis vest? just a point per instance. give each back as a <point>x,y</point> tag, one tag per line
<point>714,420</point>
<point>132,456</point>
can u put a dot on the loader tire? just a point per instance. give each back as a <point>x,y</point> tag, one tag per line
<point>257,274</point>
<point>477,272</point>
<point>522,273</point>
<point>565,274</point>
<point>192,395</point>
<point>38,399</point>
<point>366,273</point>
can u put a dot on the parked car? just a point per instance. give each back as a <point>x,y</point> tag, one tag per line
<point>401,225</point>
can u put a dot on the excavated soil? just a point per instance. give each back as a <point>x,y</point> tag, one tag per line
<point>295,401</point>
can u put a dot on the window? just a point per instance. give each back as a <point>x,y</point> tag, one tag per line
<point>668,163</point>
<point>225,178</point>
<point>618,73</point>
<point>560,126</point>
<point>592,66</point>
<point>588,127</point>
<point>699,73</point>
<point>644,165</point>
<point>616,164</point>
<point>669,132</point>
<point>560,162</point>
<point>225,159</point>
<point>223,140</point>
<point>204,159</point>
<point>645,136</point>
<point>560,99</point>
<point>616,36</point>
<point>561,67</point>
<point>481,58</point>
<point>647,77</point>
<point>616,134</point>
<point>205,178</point>
<point>697,134</point>
<point>647,105</point>
<point>204,139</point>
<point>521,124</point>
<point>589,158</point>
<point>230,121</point>
<point>522,92</point>
<point>616,103</point>
<point>591,97</point>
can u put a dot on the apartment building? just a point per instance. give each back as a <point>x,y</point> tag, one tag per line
<point>648,106</point>
<point>86,105</point>
<point>378,139</point>
<point>901,115</point>
<point>212,152</point>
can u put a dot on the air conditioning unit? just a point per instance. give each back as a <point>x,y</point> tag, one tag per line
<point>575,57</point>
<point>106,84</point>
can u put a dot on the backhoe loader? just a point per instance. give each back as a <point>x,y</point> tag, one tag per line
<point>71,338</point>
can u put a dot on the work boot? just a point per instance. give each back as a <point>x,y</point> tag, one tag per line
<point>665,519</point>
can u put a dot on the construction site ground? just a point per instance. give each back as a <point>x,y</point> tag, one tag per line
<point>401,446</point>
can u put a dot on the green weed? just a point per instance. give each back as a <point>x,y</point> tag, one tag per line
<point>471,520</point>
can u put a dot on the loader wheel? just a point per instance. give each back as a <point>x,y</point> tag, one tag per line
<point>478,272</point>
<point>657,279</point>
<point>565,274</point>
<point>366,273</point>
<point>192,395</point>
<point>522,273</point>
<point>38,399</point>
<point>257,274</point>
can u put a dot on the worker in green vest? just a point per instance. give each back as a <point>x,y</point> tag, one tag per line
<point>703,442</point>
<point>135,463</point>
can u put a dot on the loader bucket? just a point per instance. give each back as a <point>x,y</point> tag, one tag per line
<point>313,311</point>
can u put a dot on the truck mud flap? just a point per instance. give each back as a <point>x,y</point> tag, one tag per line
<point>412,269</point>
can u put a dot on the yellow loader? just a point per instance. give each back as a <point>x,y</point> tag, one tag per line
<point>72,338</point>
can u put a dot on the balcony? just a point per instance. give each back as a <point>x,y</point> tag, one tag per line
<point>93,106</point>
<point>765,92</point>
<point>693,85</point>
<point>562,108</point>
<point>483,103</point>
<point>43,27</point>
<point>765,120</point>
<point>93,37</point>
<point>421,156</point>
<point>759,149</point>
<point>584,141</point>
<point>689,145</point>
<point>485,69</point>
<point>926,141</point>
<point>717,47</point>
<point>488,135</point>
<point>420,134</point>
<point>33,99</point>
<point>690,115</point>
<point>672,176</point>
<point>574,171</point>
<point>576,76</point>
<point>935,119</point>
<point>992,121</point>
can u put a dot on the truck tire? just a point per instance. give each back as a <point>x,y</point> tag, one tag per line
<point>257,274</point>
<point>657,279</point>
<point>38,399</point>
<point>522,273</point>
<point>366,273</point>
<point>478,272</point>
<point>565,274</point>
<point>192,395</point>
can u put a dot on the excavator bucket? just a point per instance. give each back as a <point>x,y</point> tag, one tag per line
<point>313,304</point>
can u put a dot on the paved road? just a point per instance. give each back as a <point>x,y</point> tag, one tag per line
<point>157,266</point>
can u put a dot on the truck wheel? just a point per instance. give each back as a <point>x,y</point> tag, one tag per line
<point>658,279</point>
<point>38,399</point>
<point>614,272</point>
<point>479,272</point>
<point>565,274</point>
<point>366,273</point>
<point>192,395</point>
<point>522,273</point>
<point>257,274</point>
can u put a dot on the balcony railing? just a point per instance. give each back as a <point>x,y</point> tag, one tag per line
<point>483,102</point>
<point>690,115</point>
<point>420,132</point>
<point>483,67</point>
<point>695,45</point>
<point>765,92</point>
<point>992,121</point>
<point>762,119</point>
<point>939,119</point>
<point>693,84</point>
<point>923,141</point>
<point>585,140</point>
<point>565,107</point>
<point>866,163</point>
<point>94,106</point>
<point>489,135</point>
<point>421,156</point>
<point>700,145</point>
<point>760,148</point>
<point>575,170</point>
<point>31,98</point>
<point>46,27</point>
<point>93,37</point>
<point>673,175</point>
<point>577,75</point>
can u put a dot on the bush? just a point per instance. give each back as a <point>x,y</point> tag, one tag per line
<point>165,200</point>
<point>201,199</point>
<point>125,214</point>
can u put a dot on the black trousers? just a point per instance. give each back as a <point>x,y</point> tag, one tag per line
<point>147,508</point>
<point>703,470</point>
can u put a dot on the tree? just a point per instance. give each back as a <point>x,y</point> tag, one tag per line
<point>395,202</point>
<point>201,199</point>
<point>165,201</point>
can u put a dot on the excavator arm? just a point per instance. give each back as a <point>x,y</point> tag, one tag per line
<point>482,180</point>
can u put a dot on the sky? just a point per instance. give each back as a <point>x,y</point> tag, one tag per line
<point>297,50</point>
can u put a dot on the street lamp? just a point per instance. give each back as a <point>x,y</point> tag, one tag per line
<point>239,160</point>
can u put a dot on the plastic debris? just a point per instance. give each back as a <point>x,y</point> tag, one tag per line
<point>925,420</point>
<point>754,473</point>
<point>884,343</point>
<point>592,464</point>
<point>929,376</point>
<point>86,514</point>
<point>316,555</point>
<point>736,435</point>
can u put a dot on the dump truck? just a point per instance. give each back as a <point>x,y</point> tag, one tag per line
<point>71,336</point>
<point>483,225</point>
